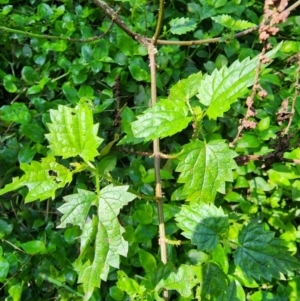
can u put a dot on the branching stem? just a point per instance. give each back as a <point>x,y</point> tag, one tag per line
<point>159,21</point>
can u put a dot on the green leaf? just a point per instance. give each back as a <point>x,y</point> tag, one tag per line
<point>15,291</point>
<point>147,260</point>
<point>182,281</point>
<point>34,90</point>
<point>186,88</point>
<point>29,74</point>
<point>33,131</point>
<point>26,154</point>
<point>139,69</point>
<point>223,87</point>
<point>235,292</point>
<point>166,118</point>
<point>4,268</point>
<point>9,86</point>
<point>42,179</point>
<point>73,133</point>
<point>5,228</point>
<point>128,117</point>
<point>70,93</point>
<point>129,286</point>
<point>34,247</point>
<point>260,255</point>
<point>16,112</point>
<point>203,224</point>
<point>116,293</point>
<point>109,242</point>
<point>205,167</point>
<point>214,283</point>
<point>234,25</point>
<point>90,274</point>
<point>76,208</point>
<point>182,25</point>
<point>86,52</point>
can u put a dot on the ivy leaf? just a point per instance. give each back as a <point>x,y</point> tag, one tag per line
<point>223,87</point>
<point>128,117</point>
<point>234,25</point>
<point>109,242</point>
<point>214,283</point>
<point>73,133</point>
<point>76,208</point>
<point>42,179</point>
<point>182,281</point>
<point>202,223</point>
<point>186,88</point>
<point>260,254</point>
<point>182,25</point>
<point>166,118</point>
<point>204,169</point>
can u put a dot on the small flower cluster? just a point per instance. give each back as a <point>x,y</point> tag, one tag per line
<point>274,14</point>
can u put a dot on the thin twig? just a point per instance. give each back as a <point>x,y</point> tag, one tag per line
<point>50,37</point>
<point>116,19</point>
<point>159,22</point>
<point>156,154</point>
<point>152,51</point>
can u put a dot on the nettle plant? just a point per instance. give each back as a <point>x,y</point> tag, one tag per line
<point>227,251</point>
<point>204,168</point>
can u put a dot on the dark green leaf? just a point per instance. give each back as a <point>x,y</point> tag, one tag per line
<point>203,224</point>
<point>261,255</point>
<point>214,283</point>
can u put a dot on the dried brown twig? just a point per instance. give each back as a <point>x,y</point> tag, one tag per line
<point>274,13</point>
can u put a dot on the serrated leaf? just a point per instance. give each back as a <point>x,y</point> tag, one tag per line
<point>182,25</point>
<point>204,169</point>
<point>90,275</point>
<point>223,87</point>
<point>214,285</point>
<point>109,242</point>
<point>76,208</point>
<point>42,179</point>
<point>203,224</point>
<point>166,118</point>
<point>234,25</point>
<point>186,88</point>
<point>260,254</point>
<point>182,281</point>
<point>73,133</point>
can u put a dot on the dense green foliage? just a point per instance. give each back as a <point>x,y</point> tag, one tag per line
<point>78,214</point>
